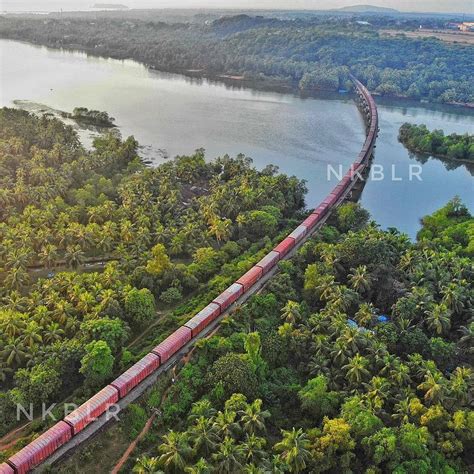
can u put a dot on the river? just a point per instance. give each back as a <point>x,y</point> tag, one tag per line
<point>171,114</point>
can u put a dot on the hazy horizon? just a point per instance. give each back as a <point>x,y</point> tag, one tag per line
<point>435,6</point>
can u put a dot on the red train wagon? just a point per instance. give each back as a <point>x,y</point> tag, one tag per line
<point>311,220</point>
<point>251,277</point>
<point>269,261</point>
<point>299,233</point>
<point>92,408</point>
<point>202,319</point>
<point>136,374</point>
<point>285,246</point>
<point>229,296</point>
<point>41,448</point>
<point>172,344</point>
<point>6,469</point>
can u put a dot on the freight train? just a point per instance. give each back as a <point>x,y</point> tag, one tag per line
<point>62,432</point>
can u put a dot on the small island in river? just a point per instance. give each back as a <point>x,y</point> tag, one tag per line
<point>418,139</point>
<point>90,117</point>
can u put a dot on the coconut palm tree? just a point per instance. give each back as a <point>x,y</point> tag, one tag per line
<point>438,318</point>
<point>226,424</point>
<point>356,369</point>
<point>453,297</point>
<point>466,341</point>
<point>365,315</point>
<point>49,255</point>
<point>203,436</point>
<point>253,417</point>
<point>291,312</point>
<point>146,465</point>
<point>201,467</point>
<point>402,411</point>
<point>31,335</point>
<point>294,449</point>
<point>377,392</point>
<point>12,323</point>
<point>175,451</point>
<point>360,279</point>
<point>434,386</point>
<point>253,447</point>
<point>74,256</point>
<point>14,353</point>
<point>53,333</point>
<point>201,408</point>
<point>229,458</point>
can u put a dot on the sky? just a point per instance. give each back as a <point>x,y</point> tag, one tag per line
<point>460,6</point>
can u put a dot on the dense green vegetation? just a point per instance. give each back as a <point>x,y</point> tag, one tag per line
<point>418,139</point>
<point>92,117</point>
<point>307,378</point>
<point>309,53</point>
<point>160,235</point>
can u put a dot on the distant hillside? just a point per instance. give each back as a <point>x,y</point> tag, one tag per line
<point>110,6</point>
<point>367,8</point>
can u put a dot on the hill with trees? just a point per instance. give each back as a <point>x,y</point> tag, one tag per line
<point>307,53</point>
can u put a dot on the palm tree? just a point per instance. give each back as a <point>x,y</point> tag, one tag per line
<point>16,278</point>
<point>291,312</point>
<point>201,408</point>
<point>294,449</point>
<point>378,390</point>
<point>14,353</point>
<point>453,297</point>
<point>438,318</point>
<point>31,335</point>
<point>360,279</point>
<point>325,287</point>
<point>402,411</point>
<point>201,467</point>
<point>434,387</point>
<point>74,256</point>
<point>49,255</point>
<point>466,341</point>
<point>203,436</point>
<point>461,386</point>
<point>221,229</point>
<point>53,333</point>
<point>146,465</point>
<point>356,370</point>
<point>226,425</point>
<point>228,459</point>
<point>15,301</point>
<point>12,323</point>
<point>253,418</point>
<point>365,315</point>
<point>254,448</point>
<point>175,451</point>
<point>253,469</point>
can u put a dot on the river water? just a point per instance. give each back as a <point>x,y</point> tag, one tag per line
<point>171,114</point>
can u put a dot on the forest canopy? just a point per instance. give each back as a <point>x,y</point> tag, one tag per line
<point>357,356</point>
<point>94,246</point>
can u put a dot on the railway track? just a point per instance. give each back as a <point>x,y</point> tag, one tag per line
<point>92,416</point>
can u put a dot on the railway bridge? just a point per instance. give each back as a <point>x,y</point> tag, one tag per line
<point>92,416</point>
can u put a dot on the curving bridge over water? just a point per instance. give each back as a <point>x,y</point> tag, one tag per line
<point>84,422</point>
